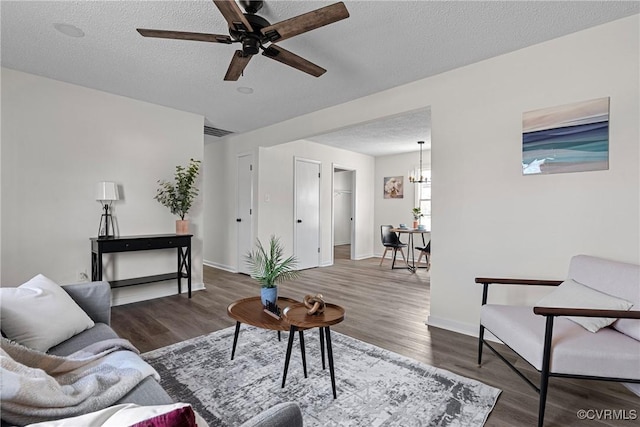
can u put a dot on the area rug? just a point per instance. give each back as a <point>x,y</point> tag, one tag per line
<point>375,387</point>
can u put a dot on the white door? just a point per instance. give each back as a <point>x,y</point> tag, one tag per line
<point>244,210</point>
<point>307,213</point>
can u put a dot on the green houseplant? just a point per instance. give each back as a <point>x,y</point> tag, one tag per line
<point>417,214</point>
<point>269,267</point>
<point>179,195</point>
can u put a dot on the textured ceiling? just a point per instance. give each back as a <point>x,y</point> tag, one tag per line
<point>382,44</point>
<point>393,135</point>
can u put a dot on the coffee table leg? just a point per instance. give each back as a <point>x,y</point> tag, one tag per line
<point>292,333</point>
<point>322,347</point>
<point>279,336</point>
<point>330,356</point>
<point>235,340</point>
<point>304,357</point>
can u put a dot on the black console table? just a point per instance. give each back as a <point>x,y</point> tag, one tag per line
<point>106,245</point>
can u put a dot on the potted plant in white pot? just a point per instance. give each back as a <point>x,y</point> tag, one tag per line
<point>269,267</point>
<point>179,195</point>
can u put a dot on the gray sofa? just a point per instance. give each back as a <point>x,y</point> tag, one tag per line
<point>95,299</point>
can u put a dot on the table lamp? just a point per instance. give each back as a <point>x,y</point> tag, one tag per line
<point>106,193</point>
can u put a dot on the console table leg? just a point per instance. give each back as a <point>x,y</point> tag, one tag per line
<point>292,333</point>
<point>188,264</point>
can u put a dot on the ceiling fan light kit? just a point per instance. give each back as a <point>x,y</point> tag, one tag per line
<point>256,33</point>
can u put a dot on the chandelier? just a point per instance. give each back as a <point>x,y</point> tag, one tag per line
<point>416,176</point>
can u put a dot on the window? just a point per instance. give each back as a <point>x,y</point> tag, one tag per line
<point>423,196</point>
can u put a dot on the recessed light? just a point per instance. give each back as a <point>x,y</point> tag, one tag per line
<point>245,90</point>
<point>69,30</point>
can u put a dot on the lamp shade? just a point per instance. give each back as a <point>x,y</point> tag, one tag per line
<point>106,191</point>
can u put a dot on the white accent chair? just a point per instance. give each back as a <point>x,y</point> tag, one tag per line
<point>558,347</point>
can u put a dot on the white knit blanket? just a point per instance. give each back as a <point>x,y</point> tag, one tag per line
<point>37,386</point>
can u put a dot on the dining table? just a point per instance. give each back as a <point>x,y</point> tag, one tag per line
<point>410,243</point>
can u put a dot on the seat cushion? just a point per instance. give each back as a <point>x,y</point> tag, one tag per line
<point>99,332</point>
<point>575,351</point>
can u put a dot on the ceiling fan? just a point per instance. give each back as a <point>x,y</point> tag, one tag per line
<point>256,33</point>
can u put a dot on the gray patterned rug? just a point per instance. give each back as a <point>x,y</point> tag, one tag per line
<point>375,387</point>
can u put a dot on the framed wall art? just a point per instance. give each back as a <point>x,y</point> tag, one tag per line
<point>566,138</point>
<point>393,188</point>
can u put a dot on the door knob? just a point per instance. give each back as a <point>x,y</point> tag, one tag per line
<point>238,219</point>
<point>299,221</point>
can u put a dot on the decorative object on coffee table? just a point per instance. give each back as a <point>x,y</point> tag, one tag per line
<point>179,195</point>
<point>315,304</point>
<point>269,267</point>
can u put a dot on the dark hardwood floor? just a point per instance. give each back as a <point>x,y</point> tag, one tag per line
<point>387,308</point>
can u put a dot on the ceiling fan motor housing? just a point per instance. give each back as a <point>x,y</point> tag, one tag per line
<point>251,41</point>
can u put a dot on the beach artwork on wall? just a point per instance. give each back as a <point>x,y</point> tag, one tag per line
<point>567,138</point>
<point>393,187</point>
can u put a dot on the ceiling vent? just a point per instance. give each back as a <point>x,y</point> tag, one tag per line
<point>208,130</point>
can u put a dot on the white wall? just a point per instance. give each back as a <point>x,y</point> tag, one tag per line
<point>487,218</point>
<point>58,141</point>
<point>396,211</point>
<point>216,192</point>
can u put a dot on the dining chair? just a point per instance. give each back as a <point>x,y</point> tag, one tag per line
<point>425,250</point>
<point>391,241</point>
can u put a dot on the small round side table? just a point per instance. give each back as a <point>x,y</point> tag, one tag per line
<point>296,315</point>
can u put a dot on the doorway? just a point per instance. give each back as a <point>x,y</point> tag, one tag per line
<point>343,213</point>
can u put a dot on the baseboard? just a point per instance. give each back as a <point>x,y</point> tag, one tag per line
<point>365,256</point>
<point>326,264</point>
<point>459,327</point>
<point>219,266</point>
<point>131,294</point>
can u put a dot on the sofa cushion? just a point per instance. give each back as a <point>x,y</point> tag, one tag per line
<point>40,314</point>
<point>619,279</point>
<point>148,392</point>
<point>87,337</point>
<point>574,349</point>
<point>571,294</point>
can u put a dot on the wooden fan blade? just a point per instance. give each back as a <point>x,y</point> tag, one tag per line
<point>293,60</point>
<point>237,66</point>
<point>181,35</point>
<point>234,16</point>
<point>306,22</point>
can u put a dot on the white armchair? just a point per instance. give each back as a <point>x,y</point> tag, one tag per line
<point>599,292</point>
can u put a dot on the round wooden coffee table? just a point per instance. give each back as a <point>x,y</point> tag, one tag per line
<point>250,311</point>
<point>296,315</point>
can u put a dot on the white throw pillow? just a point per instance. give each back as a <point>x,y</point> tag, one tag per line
<point>571,294</point>
<point>39,314</point>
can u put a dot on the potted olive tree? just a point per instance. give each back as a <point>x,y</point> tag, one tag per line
<point>179,195</point>
<point>269,267</point>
